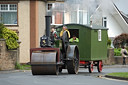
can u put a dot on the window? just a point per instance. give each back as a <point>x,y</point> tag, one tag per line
<point>99,35</point>
<point>49,6</point>
<point>74,32</point>
<point>8,14</point>
<point>73,16</point>
<point>56,12</point>
<point>58,17</point>
<point>78,16</point>
<point>104,21</point>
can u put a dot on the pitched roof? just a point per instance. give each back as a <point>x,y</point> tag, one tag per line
<point>124,16</point>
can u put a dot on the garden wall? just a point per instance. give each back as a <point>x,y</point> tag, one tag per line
<point>8,58</point>
<point>111,59</point>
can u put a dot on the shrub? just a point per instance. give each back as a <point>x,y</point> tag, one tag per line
<point>18,66</point>
<point>22,67</point>
<point>109,42</point>
<point>1,28</point>
<point>10,37</point>
<point>117,52</point>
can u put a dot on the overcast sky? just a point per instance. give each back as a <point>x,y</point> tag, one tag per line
<point>122,5</point>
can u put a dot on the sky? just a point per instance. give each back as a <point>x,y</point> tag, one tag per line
<point>122,5</point>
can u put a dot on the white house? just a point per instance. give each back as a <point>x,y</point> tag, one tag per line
<point>112,18</point>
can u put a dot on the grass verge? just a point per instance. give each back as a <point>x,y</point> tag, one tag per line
<point>119,74</point>
<point>22,67</point>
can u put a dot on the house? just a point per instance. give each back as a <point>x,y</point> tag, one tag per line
<point>71,11</point>
<point>27,17</point>
<point>64,13</point>
<point>105,14</point>
<point>112,18</point>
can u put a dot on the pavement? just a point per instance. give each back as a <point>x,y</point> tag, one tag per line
<point>115,66</point>
<point>13,71</point>
<point>105,75</point>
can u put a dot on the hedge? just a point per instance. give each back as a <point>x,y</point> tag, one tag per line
<point>10,36</point>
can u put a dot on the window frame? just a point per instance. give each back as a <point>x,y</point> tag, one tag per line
<point>104,21</point>
<point>78,16</point>
<point>10,3</point>
<point>53,16</point>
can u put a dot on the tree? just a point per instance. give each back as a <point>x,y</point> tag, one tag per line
<point>120,40</point>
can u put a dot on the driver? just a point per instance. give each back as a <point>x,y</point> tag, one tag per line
<point>64,30</point>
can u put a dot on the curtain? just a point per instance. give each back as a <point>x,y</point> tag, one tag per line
<point>80,17</point>
<point>74,17</point>
<point>8,17</point>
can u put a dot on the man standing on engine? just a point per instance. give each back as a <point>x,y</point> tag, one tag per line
<point>64,30</point>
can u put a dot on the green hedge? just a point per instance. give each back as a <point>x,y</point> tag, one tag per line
<point>10,36</point>
<point>117,52</point>
<point>109,43</point>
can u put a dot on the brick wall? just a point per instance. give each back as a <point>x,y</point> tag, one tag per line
<point>8,58</point>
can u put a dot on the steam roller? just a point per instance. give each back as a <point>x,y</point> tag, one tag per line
<point>53,56</point>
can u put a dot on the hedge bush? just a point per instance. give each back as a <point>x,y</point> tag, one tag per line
<point>109,43</point>
<point>10,36</point>
<point>117,51</point>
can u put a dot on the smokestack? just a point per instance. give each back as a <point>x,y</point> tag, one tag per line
<point>45,39</point>
<point>48,22</point>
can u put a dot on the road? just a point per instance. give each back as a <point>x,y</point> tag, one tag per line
<point>83,78</point>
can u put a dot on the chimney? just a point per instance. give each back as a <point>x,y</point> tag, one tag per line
<point>90,23</point>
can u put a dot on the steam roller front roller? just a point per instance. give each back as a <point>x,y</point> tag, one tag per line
<point>44,63</point>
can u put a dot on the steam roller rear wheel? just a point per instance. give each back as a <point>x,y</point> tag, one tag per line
<point>44,63</point>
<point>73,65</point>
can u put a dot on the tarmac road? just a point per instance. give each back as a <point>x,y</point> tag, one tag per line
<point>83,78</point>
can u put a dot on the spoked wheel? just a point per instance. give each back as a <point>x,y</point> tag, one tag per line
<point>73,65</point>
<point>90,67</point>
<point>99,66</point>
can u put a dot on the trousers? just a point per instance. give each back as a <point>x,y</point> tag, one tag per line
<point>124,63</point>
